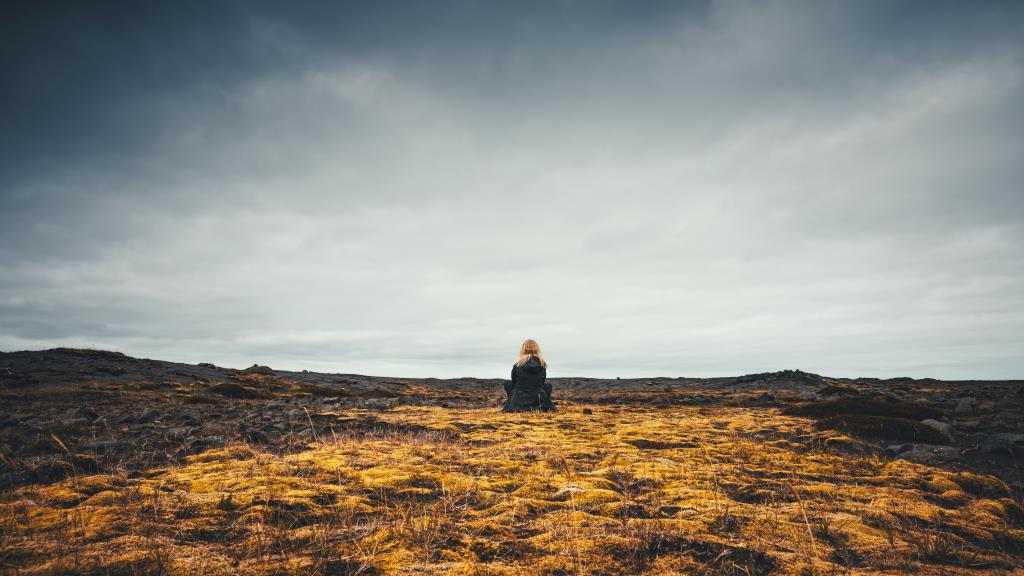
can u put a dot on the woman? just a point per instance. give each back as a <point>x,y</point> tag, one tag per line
<point>528,389</point>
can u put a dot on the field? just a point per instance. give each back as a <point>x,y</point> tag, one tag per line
<point>602,487</point>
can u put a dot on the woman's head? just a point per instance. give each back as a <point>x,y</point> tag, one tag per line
<point>530,348</point>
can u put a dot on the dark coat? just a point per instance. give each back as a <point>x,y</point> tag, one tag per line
<point>528,389</point>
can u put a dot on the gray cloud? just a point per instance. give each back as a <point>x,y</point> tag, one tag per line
<point>713,188</point>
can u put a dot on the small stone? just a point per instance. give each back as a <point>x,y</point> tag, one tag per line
<point>964,406</point>
<point>148,415</point>
<point>179,432</point>
<point>588,411</point>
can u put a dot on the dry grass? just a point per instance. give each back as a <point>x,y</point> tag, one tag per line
<point>472,491</point>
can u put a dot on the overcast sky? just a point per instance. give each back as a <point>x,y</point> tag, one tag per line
<point>713,188</point>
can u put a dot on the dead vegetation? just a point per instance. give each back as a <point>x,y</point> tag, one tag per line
<point>428,490</point>
<point>874,418</point>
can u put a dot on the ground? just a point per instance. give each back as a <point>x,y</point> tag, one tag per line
<point>623,479</point>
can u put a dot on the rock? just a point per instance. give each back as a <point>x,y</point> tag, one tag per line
<point>588,411</point>
<point>964,406</point>
<point>943,427</point>
<point>986,406</point>
<point>928,453</point>
<point>898,448</point>
<point>235,390</point>
<point>1005,421</point>
<point>1005,441</point>
<point>148,415</point>
<point>257,369</point>
<point>205,365</point>
<point>179,432</point>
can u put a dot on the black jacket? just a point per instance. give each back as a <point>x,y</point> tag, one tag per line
<point>528,389</point>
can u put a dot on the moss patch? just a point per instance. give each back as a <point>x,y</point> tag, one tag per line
<point>709,491</point>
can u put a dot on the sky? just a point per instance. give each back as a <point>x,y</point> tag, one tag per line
<point>413,188</point>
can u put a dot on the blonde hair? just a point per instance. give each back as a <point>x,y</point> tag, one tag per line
<point>530,348</point>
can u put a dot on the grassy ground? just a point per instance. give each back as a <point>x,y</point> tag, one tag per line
<point>424,490</point>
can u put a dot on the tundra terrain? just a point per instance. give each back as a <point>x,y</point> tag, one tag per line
<point>116,465</point>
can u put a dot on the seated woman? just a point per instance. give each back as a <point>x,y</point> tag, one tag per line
<point>528,389</point>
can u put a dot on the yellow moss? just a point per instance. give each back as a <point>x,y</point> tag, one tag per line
<point>954,496</point>
<point>940,483</point>
<point>990,513</point>
<point>482,569</point>
<point>980,484</point>
<point>60,495</point>
<point>480,492</point>
<point>106,498</point>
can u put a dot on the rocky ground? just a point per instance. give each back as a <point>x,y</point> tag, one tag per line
<point>66,414</point>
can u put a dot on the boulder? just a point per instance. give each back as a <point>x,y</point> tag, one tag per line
<point>964,406</point>
<point>943,427</point>
<point>1005,442</point>
<point>257,369</point>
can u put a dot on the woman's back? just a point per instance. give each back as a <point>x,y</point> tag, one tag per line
<point>529,389</point>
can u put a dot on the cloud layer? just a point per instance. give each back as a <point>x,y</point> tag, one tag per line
<point>413,189</point>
